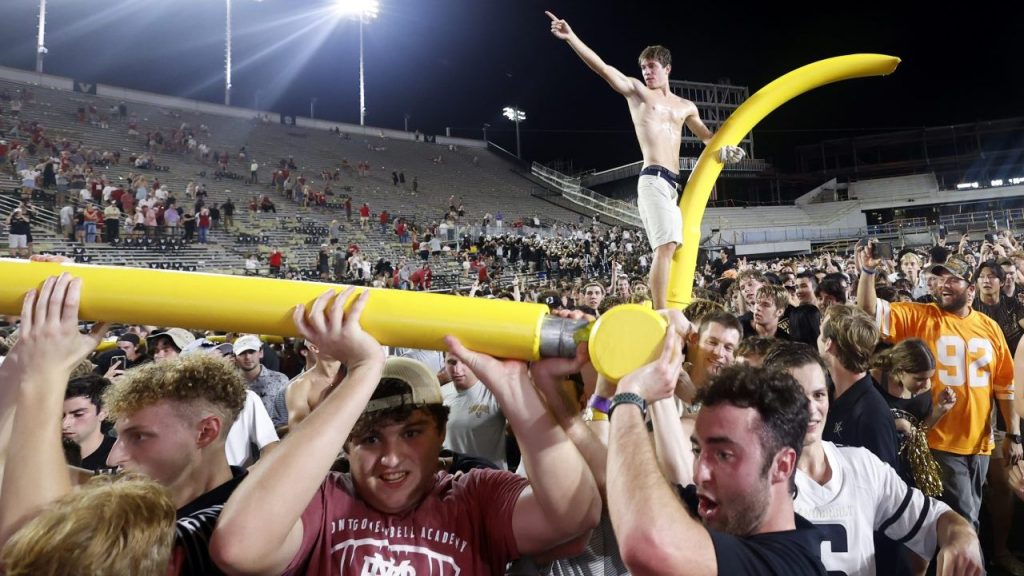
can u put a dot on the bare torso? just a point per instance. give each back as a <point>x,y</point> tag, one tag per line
<point>658,119</point>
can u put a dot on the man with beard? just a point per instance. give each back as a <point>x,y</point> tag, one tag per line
<point>971,358</point>
<point>739,516</point>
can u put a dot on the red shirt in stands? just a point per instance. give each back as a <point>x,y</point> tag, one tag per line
<point>422,278</point>
<point>275,259</point>
<point>462,526</point>
<point>364,211</point>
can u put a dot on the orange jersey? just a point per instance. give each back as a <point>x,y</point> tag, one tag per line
<point>971,357</point>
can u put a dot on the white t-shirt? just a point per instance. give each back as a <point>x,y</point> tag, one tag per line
<point>865,495</point>
<point>253,427</point>
<point>476,424</point>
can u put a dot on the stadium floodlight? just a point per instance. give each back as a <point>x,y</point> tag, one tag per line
<point>41,37</point>
<point>364,10</point>
<point>966,185</point>
<point>1015,181</point>
<point>358,8</point>
<point>996,183</point>
<point>516,115</point>
<point>227,54</point>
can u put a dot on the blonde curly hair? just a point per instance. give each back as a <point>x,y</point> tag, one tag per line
<point>194,381</point>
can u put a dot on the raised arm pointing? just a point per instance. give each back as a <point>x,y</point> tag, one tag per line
<point>617,80</point>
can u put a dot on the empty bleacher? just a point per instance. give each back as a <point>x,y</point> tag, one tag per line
<point>482,181</point>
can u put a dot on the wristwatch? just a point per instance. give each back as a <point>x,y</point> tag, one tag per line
<point>627,398</point>
<point>1015,438</point>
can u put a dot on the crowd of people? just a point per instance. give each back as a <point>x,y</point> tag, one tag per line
<point>816,414</point>
<point>823,377</point>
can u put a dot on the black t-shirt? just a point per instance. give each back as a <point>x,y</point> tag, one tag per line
<point>804,323</point>
<point>98,459</point>
<point>196,521</point>
<point>919,406</point>
<point>271,359</point>
<point>860,417</point>
<point>789,552</point>
<point>1007,313</point>
<point>718,267</point>
<point>20,226</point>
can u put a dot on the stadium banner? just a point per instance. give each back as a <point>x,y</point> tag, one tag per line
<point>85,87</point>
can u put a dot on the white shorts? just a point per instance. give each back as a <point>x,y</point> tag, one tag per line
<point>663,221</point>
<point>17,240</point>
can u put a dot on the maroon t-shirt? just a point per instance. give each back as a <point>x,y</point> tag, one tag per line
<point>462,527</point>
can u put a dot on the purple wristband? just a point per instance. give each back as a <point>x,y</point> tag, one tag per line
<point>599,403</point>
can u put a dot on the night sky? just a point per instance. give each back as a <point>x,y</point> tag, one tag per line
<point>457,63</point>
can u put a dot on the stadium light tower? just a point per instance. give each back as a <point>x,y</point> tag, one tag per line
<point>41,37</point>
<point>364,10</point>
<point>516,115</point>
<point>227,54</point>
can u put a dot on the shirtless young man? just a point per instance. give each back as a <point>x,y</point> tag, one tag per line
<point>658,116</point>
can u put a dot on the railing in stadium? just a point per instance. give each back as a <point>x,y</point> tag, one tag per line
<point>571,189</point>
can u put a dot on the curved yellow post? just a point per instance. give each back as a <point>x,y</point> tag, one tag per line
<point>264,306</point>
<point>695,197</point>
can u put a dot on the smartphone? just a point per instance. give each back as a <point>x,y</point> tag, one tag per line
<point>117,359</point>
<point>882,250</point>
<point>990,238</point>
